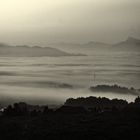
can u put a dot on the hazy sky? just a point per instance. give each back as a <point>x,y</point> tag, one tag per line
<point>46,21</point>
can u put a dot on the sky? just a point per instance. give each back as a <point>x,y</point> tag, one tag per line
<point>48,21</point>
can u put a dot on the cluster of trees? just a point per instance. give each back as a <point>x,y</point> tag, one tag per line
<point>96,102</point>
<point>114,88</point>
<point>16,109</point>
<point>137,100</point>
<point>23,109</point>
<point>74,106</point>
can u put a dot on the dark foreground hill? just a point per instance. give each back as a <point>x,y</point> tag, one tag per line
<point>70,123</point>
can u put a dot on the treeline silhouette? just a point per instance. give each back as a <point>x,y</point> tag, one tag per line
<point>23,109</point>
<point>79,105</point>
<point>82,118</point>
<point>96,102</point>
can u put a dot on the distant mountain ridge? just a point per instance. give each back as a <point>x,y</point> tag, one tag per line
<point>96,44</point>
<point>90,48</point>
<point>27,51</point>
<point>133,40</point>
<point>129,40</point>
<point>130,44</point>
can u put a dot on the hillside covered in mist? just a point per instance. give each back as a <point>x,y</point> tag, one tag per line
<point>130,44</point>
<point>27,51</point>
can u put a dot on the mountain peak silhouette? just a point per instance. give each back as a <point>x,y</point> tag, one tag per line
<point>132,40</point>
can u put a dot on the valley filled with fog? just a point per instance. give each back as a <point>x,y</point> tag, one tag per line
<point>51,80</point>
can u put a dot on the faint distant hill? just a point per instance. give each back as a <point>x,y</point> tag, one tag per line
<point>96,44</point>
<point>83,48</point>
<point>130,44</point>
<point>34,51</point>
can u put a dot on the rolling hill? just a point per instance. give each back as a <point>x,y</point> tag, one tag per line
<point>89,48</point>
<point>130,44</point>
<point>27,51</point>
